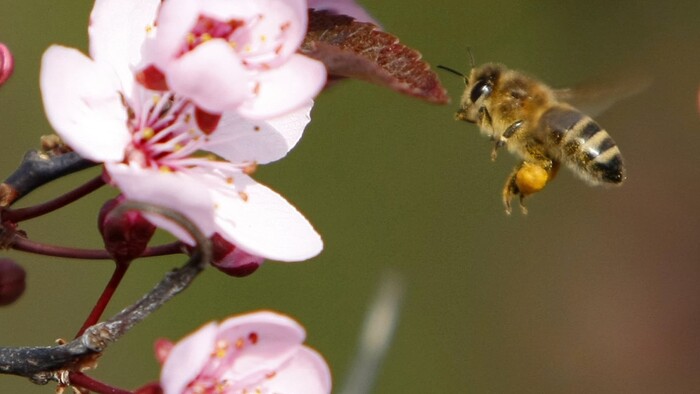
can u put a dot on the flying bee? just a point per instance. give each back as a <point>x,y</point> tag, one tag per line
<point>539,125</point>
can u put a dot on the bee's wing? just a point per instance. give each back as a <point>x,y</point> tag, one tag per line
<point>593,98</point>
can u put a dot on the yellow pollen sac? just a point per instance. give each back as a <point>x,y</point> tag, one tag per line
<point>239,343</point>
<point>233,44</point>
<point>205,37</point>
<point>165,169</point>
<point>178,147</point>
<point>263,38</point>
<point>148,133</point>
<point>149,28</point>
<point>250,168</point>
<point>531,178</point>
<point>229,180</point>
<point>220,349</point>
<point>190,38</point>
<point>248,49</point>
<point>244,196</point>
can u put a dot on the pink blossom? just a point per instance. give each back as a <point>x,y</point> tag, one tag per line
<point>7,63</point>
<point>259,352</point>
<point>151,145</point>
<point>344,7</point>
<point>237,55</point>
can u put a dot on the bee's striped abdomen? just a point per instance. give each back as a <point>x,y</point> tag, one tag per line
<point>585,146</point>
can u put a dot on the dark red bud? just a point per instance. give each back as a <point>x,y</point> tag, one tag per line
<point>229,259</point>
<point>12,281</point>
<point>125,236</point>
<point>206,121</point>
<point>7,63</point>
<point>152,78</point>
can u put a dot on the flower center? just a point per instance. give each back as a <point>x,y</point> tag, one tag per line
<point>163,130</point>
<point>254,41</point>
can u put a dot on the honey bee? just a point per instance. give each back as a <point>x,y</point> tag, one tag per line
<point>537,124</point>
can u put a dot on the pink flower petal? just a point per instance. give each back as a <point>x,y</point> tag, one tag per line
<point>187,359</point>
<point>264,342</point>
<point>223,86</point>
<point>178,191</point>
<point>83,104</point>
<point>117,31</point>
<point>264,224</point>
<point>245,141</point>
<point>285,88</point>
<point>175,19</point>
<point>306,372</point>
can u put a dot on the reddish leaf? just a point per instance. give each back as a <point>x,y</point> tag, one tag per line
<point>355,49</point>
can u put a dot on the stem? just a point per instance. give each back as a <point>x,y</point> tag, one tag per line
<point>27,245</point>
<point>106,295</point>
<point>81,380</point>
<point>21,214</point>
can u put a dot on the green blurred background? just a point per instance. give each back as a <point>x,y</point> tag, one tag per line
<point>595,291</point>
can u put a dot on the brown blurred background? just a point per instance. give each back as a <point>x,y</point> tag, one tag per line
<point>595,291</point>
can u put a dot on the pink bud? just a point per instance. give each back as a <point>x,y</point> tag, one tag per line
<point>162,348</point>
<point>12,281</point>
<point>7,63</point>
<point>229,259</point>
<point>125,236</point>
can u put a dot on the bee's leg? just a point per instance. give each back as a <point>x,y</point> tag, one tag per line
<point>515,126</point>
<point>526,179</point>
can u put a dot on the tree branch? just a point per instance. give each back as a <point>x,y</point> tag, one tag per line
<point>37,169</point>
<point>43,364</point>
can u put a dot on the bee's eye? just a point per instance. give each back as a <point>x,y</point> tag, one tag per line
<point>481,88</point>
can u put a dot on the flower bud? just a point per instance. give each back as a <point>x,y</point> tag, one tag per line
<point>125,236</point>
<point>229,259</point>
<point>12,281</point>
<point>7,63</point>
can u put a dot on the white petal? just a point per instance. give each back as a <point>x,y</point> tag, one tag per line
<point>307,373</point>
<point>265,224</point>
<point>187,359</point>
<point>276,339</point>
<point>211,75</point>
<point>285,88</point>
<point>83,104</point>
<point>175,19</point>
<point>118,29</point>
<point>240,140</point>
<point>183,193</point>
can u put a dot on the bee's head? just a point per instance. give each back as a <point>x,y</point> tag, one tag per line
<point>479,86</point>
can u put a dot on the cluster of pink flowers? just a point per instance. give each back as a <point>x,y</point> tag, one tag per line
<point>181,100</point>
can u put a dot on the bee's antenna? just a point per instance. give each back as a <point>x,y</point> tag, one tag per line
<point>472,63</point>
<point>453,71</point>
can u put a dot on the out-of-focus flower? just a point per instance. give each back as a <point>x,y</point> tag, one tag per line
<point>12,281</point>
<point>237,55</point>
<point>260,352</point>
<point>344,7</point>
<point>7,63</point>
<point>153,148</point>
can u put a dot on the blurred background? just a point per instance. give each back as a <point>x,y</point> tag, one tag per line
<point>595,291</point>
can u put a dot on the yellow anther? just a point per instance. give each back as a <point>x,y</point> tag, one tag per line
<point>148,133</point>
<point>205,37</point>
